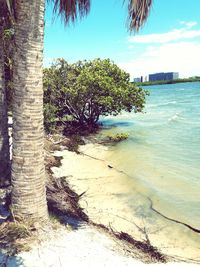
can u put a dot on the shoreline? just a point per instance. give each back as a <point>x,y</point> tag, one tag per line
<point>101,189</point>
<point>82,238</point>
<point>104,200</point>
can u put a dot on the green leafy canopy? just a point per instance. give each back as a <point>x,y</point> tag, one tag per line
<point>87,90</point>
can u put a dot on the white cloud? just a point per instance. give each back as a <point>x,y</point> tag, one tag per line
<point>189,24</point>
<point>171,51</point>
<point>182,57</point>
<point>130,47</point>
<point>174,35</point>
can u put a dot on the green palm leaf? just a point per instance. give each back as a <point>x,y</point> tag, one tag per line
<point>70,10</point>
<point>138,12</point>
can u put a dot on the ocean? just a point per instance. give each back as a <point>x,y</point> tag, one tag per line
<point>161,157</point>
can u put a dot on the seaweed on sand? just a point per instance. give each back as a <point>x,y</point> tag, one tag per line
<point>62,201</point>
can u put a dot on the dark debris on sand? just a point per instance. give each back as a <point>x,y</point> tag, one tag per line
<point>63,203</point>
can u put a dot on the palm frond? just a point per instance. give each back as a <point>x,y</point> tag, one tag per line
<point>138,12</point>
<point>70,10</point>
<point>7,9</point>
<point>8,5</point>
<point>3,9</point>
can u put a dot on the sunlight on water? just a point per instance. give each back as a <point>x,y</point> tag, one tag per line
<point>162,154</point>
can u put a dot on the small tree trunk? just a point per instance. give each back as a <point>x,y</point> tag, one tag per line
<point>4,138</point>
<point>28,172</point>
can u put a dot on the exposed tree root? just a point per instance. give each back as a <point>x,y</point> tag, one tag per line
<point>63,201</point>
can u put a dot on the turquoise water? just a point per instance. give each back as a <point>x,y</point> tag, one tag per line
<point>162,154</point>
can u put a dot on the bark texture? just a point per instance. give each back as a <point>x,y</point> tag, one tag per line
<point>28,172</point>
<point>4,138</point>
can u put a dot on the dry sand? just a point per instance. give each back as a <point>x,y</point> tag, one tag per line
<point>85,247</point>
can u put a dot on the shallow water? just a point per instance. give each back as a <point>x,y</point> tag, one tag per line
<point>162,153</point>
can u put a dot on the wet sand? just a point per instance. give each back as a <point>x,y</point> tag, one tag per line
<point>111,199</point>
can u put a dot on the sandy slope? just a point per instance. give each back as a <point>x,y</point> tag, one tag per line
<point>85,247</point>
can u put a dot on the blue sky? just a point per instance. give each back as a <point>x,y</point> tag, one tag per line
<point>169,41</point>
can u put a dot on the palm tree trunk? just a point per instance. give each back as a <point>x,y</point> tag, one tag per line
<point>28,172</point>
<point>4,139</point>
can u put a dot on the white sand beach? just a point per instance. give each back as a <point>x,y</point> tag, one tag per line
<point>88,246</point>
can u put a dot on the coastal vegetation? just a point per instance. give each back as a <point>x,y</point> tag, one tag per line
<point>183,80</point>
<point>114,138</point>
<point>28,172</point>
<point>84,91</point>
<point>28,200</point>
<point>118,137</point>
<point>75,97</point>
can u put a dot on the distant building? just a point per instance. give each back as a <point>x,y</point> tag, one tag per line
<point>163,76</point>
<point>137,80</point>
